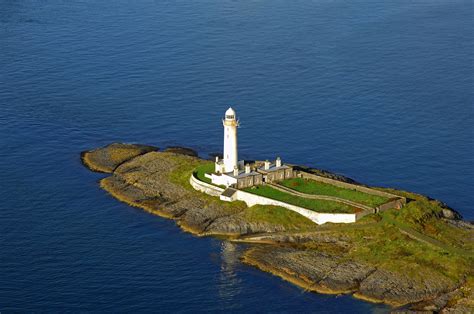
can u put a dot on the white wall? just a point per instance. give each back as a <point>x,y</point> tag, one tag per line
<point>205,187</point>
<point>218,167</point>
<point>223,179</point>
<point>230,145</point>
<point>252,199</point>
<point>319,218</point>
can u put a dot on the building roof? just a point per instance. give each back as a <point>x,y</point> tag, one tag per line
<point>230,112</point>
<point>273,167</point>
<point>242,174</point>
<point>228,192</point>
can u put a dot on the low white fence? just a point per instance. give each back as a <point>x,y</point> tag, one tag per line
<point>319,218</point>
<point>205,187</point>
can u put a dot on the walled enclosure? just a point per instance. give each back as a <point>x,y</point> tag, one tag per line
<point>319,218</point>
<point>252,199</point>
<point>395,201</point>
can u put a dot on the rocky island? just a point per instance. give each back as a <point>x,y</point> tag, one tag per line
<point>416,258</point>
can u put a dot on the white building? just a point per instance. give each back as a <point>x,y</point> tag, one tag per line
<point>231,158</point>
<point>229,171</point>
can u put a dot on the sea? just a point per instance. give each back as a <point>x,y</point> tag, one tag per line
<point>379,91</point>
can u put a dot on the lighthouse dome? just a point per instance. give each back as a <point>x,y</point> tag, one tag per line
<point>230,114</point>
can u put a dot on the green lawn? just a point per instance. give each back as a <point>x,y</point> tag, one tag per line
<point>319,188</point>
<point>278,216</point>
<point>316,205</point>
<point>203,169</point>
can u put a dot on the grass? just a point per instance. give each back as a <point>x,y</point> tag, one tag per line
<point>379,243</point>
<point>201,170</point>
<point>316,205</point>
<point>428,248</point>
<point>183,167</point>
<point>385,246</point>
<point>422,215</point>
<point>308,186</point>
<point>278,216</point>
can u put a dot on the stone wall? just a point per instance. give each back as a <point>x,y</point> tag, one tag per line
<point>361,214</point>
<point>205,187</point>
<point>323,197</point>
<point>394,203</point>
<point>277,175</point>
<point>250,180</point>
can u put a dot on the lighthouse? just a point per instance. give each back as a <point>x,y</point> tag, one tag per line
<point>231,124</point>
<point>232,172</point>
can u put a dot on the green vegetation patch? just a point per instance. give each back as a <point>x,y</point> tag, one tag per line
<point>308,186</point>
<point>412,241</point>
<point>322,206</point>
<point>201,170</point>
<point>183,167</point>
<point>422,215</point>
<point>386,247</point>
<point>278,216</point>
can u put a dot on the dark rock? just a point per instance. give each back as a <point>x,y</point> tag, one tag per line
<point>212,156</point>
<point>181,151</point>
<point>236,224</point>
<point>326,174</point>
<point>466,225</point>
<point>402,288</point>
<point>449,213</point>
<point>319,270</point>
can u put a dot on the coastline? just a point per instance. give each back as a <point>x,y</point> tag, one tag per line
<point>114,187</point>
<point>287,275</point>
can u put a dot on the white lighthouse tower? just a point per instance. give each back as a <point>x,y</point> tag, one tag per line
<point>231,124</point>
<point>227,170</point>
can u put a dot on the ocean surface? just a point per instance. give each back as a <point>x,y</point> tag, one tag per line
<point>380,91</point>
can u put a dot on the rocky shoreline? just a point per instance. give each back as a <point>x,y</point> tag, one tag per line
<point>324,259</point>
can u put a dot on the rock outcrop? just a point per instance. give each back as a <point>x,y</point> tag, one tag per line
<point>144,182</point>
<point>313,270</point>
<point>106,159</point>
<point>181,150</point>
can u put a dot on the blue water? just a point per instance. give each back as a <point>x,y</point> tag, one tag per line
<point>380,91</point>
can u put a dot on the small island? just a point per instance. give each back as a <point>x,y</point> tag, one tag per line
<point>321,231</point>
